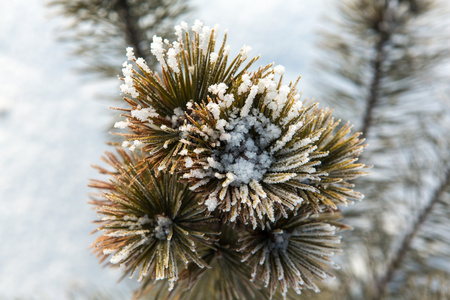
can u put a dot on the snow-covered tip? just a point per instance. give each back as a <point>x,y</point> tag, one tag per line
<point>157,49</point>
<point>279,70</point>
<point>245,50</point>
<point>197,27</point>
<point>130,53</point>
<point>180,28</point>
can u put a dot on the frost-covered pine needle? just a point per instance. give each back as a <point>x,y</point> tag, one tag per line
<point>150,224</point>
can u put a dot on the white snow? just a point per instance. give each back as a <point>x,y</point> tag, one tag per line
<point>142,64</point>
<point>213,57</point>
<point>279,69</point>
<point>218,89</point>
<point>172,60</point>
<point>179,29</point>
<point>244,156</point>
<point>197,26</point>
<point>245,50</point>
<point>188,162</point>
<point>157,49</point>
<point>122,124</point>
<point>204,38</point>
<point>144,114</point>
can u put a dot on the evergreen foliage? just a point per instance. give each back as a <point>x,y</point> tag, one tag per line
<point>227,172</point>
<point>207,216</point>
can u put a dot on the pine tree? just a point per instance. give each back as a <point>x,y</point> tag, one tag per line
<point>383,61</point>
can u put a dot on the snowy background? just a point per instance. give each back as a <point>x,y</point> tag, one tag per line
<point>53,126</point>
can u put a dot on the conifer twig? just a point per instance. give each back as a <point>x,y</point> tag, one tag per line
<point>397,260</point>
<point>373,96</point>
<point>132,31</point>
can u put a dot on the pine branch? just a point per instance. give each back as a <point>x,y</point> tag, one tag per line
<point>398,258</point>
<point>131,26</point>
<point>101,29</point>
<point>373,97</point>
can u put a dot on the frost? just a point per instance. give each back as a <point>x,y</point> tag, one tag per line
<point>196,173</point>
<point>279,70</point>
<point>213,57</point>
<point>245,157</point>
<point>286,137</point>
<point>228,99</point>
<point>130,53</point>
<point>197,26</point>
<point>226,50</point>
<point>157,50</point>
<point>127,87</point>
<point>214,109</point>
<point>162,229</point>
<point>122,124</point>
<point>246,83</point>
<point>121,255</point>
<point>144,220</point>
<point>183,152</point>
<point>245,50</point>
<point>143,65</point>
<point>214,164</point>
<point>249,101</point>
<point>294,111</point>
<point>216,30</point>
<point>204,39</point>
<point>172,60</point>
<point>199,150</point>
<point>220,125</point>
<point>188,162</point>
<point>137,143</point>
<point>108,251</point>
<point>144,114</point>
<point>211,202</point>
<point>280,100</point>
<point>269,85</point>
<point>199,184</point>
<point>218,89</point>
<point>178,111</point>
<point>179,29</point>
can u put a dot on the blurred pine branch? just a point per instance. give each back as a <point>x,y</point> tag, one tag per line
<point>99,30</point>
<point>385,67</point>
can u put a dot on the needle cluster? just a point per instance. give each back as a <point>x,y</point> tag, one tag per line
<point>219,150</point>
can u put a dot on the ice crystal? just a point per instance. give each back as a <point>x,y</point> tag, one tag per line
<point>130,53</point>
<point>163,227</point>
<point>245,153</point>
